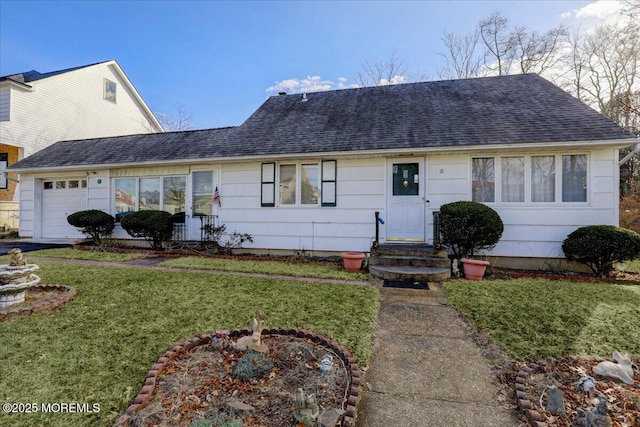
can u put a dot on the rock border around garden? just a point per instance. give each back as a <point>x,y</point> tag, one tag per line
<point>524,404</point>
<point>349,359</point>
<point>65,294</point>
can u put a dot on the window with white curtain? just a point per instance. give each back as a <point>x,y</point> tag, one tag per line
<point>512,179</point>
<point>483,179</point>
<point>543,179</point>
<point>574,178</point>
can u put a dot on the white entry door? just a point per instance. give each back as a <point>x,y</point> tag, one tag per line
<point>406,200</point>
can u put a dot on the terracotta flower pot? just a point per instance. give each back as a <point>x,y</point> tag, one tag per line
<point>352,260</point>
<point>474,268</point>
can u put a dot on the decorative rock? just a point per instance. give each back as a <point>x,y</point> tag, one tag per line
<point>308,355</point>
<point>240,408</point>
<point>594,417</point>
<point>620,369</point>
<point>330,418</point>
<point>555,402</point>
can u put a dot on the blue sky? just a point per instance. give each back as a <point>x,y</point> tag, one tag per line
<point>218,59</point>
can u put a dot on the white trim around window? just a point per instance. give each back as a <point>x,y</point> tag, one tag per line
<point>298,184</point>
<point>533,179</point>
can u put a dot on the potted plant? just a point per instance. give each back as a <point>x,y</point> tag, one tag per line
<point>352,260</point>
<point>467,228</point>
<point>474,268</point>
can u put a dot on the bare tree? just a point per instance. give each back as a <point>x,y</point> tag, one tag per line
<point>386,72</point>
<point>534,52</point>
<point>176,121</point>
<point>498,42</point>
<point>462,57</point>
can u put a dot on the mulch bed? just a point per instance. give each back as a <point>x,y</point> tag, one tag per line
<point>534,381</point>
<point>37,299</point>
<point>194,381</point>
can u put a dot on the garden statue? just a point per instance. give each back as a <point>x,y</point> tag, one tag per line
<point>15,278</point>
<point>305,408</point>
<point>594,417</point>
<point>621,369</point>
<point>253,341</point>
<point>17,259</point>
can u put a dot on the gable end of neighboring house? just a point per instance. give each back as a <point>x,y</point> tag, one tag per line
<point>39,109</point>
<point>309,173</point>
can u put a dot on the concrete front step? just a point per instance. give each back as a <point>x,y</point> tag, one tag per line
<point>410,261</point>
<point>408,249</point>
<point>409,273</point>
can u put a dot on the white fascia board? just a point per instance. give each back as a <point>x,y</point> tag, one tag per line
<point>17,84</point>
<point>616,143</point>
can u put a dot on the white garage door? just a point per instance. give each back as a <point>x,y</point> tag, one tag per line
<point>61,198</point>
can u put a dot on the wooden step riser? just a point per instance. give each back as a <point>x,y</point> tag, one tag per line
<point>406,277</point>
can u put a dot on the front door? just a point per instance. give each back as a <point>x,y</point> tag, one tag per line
<point>405,201</point>
<point>203,184</point>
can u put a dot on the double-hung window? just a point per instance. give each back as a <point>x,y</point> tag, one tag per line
<point>298,184</point>
<point>530,179</point>
<point>4,163</point>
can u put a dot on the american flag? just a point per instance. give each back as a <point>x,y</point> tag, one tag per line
<point>216,198</point>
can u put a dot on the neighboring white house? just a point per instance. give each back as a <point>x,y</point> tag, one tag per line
<point>308,172</point>
<point>39,109</point>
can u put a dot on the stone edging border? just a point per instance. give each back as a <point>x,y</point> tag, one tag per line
<point>524,404</point>
<point>350,361</point>
<point>68,293</point>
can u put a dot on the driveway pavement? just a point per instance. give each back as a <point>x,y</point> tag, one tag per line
<point>29,245</point>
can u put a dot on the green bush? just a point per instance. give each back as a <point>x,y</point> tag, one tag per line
<point>600,246</point>
<point>252,365</point>
<point>153,226</point>
<point>94,224</point>
<point>468,227</point>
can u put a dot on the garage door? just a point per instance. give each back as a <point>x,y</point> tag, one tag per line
<point>61,198</point>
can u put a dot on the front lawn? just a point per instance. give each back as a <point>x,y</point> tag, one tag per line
<point>535,318</point>
<point>98,348</point>
<point>69,253</point>
<point>285,268</point>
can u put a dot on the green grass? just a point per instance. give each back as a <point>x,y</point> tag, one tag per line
<point>69,253</point>
<point>631,266</point>
<point>535,318</point>
<point>284,268</point>
<point>98,348</point>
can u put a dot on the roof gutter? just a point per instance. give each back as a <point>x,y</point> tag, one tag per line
<point>325,154</point>
<point>628,157</point>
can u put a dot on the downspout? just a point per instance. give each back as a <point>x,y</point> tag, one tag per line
<point>628,157</point>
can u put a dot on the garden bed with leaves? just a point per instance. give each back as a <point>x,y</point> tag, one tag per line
<point>623,400</point>
<point>213,382</point>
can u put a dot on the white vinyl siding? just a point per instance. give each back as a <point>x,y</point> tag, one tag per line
<point>5,104</point>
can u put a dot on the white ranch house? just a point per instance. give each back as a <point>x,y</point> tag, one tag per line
<point>308,172</point>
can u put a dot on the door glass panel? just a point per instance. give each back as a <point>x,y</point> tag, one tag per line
<point>203,193</point>
<point>406,180</point>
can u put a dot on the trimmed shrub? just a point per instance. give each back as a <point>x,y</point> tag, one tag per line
<point>153,226</point>
<point>468,227</point>
<point>94,224</point>
<point>600,246</point>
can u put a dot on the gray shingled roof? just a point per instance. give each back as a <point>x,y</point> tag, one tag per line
<point>33,75</point>
<point>516,109</point>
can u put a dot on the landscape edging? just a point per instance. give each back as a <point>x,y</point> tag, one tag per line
<point>349,359</point>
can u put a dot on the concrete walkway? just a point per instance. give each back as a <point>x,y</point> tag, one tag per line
<point>425,370</point>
